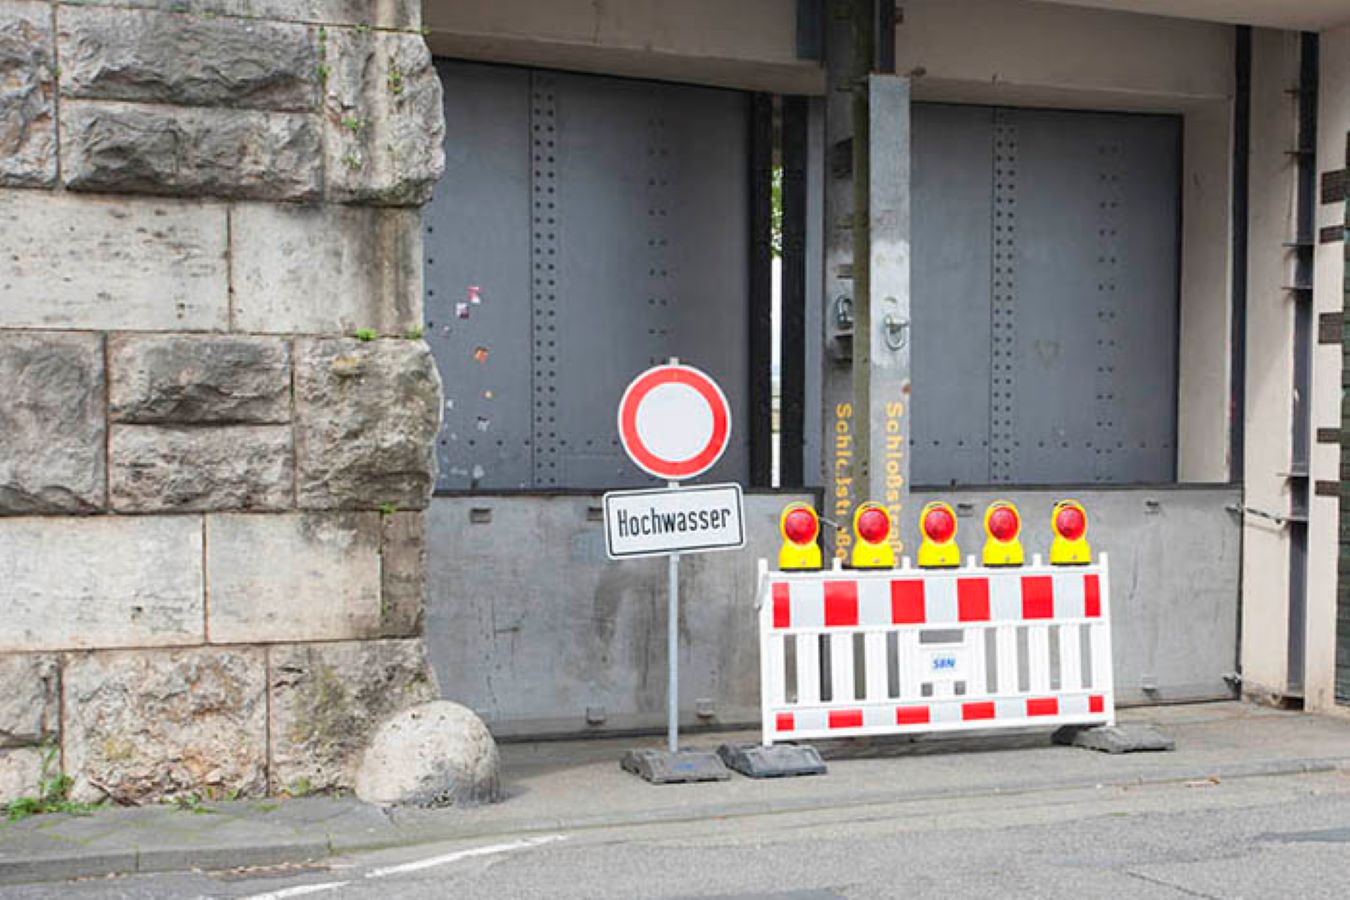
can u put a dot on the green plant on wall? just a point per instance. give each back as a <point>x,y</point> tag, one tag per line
<point>53,792</point>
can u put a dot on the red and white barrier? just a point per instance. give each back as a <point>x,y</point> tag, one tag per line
<point>860,652</point>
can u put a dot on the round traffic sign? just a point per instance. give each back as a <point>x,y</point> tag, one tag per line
<point>674,422</point>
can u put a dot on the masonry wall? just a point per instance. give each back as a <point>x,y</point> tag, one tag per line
<point>217,413</point>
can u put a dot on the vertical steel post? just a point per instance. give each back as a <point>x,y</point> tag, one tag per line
<point>882,357</point>
<point>673,649</point>
<point>836,393</point>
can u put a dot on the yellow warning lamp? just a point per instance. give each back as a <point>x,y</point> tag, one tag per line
<point>937,521</point>
<point>1070,546</point>
<point>800,526</point>
<point>872,527</point>
<point>1002,523</point>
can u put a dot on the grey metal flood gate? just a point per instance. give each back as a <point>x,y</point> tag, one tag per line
<point>1045,296</point>
<point>585,228</point>
<point>562,640</point>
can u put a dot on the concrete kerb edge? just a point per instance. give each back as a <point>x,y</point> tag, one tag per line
<point>68,866</point>
<point>412,834</point>
<point>178,859</point>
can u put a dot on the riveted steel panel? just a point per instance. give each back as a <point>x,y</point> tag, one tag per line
<point>608,220</point>
<point>1069,347</point>
<point>952,207</point>
<point>1094,258</point>
<point>477,305</point>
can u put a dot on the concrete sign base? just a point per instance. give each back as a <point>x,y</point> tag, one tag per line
<point>665,767</point>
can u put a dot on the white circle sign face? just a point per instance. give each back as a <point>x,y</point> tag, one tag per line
<point>674,422</point>
<point>674,402</point>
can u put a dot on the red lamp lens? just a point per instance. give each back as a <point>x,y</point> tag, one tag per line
<point>874,525</point>
<point>939,525</point>
<point>1070,522</point>
<point>800,526</point>
<point>1003,524</point>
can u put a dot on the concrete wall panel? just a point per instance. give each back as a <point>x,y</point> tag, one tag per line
<point>749,44</point>
<point>1270,375</point>
<point>1333,126</point>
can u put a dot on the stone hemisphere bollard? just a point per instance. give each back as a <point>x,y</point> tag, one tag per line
<point>431,755</point>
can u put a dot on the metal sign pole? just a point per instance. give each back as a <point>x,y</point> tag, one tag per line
<point>658,448</point>
<point>673,649</point>
<point>673,637</point>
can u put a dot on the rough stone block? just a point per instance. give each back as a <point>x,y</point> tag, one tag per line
<point>384,120</point>
<point>141,725</point>
<point>328,699</point>
<point>326,269</point>
<point>375,13</point>
<point>403,573</point>
<point>434,755</point>
<point>298,577</point>
<point>155,57</point>
<point>235,153</point>
<point>366,416</point>
<point>27,95</point>
<point>52,423</point>
<point>78,583</point>
<point>154,468</point>
<point>111,263</point>
<point>20,771</point>
<point>30,699</point>
<point>199,379</point>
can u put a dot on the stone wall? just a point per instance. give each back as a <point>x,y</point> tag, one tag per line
<point>216,409</point>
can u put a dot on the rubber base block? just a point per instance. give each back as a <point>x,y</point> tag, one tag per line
<point>664,767</point>
<point>778,761</point>
<point>1114,738</point>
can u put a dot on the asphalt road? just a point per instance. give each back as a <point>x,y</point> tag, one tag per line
<point>1285,836</point>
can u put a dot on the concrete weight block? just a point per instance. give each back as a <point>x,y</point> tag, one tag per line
<point>433,755</point>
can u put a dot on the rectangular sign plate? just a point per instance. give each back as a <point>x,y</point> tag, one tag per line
<point>674,520</point>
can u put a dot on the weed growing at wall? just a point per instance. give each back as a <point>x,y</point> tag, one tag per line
<point>53,792</point>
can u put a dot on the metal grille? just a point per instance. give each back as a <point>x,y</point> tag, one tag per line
<point>585,228</point>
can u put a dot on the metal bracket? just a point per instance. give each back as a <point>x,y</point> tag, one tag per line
<point>843,313</point>
<point>895,330</point>
<point>1259,513</point>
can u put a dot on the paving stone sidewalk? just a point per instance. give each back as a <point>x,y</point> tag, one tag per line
<point>578,784</point>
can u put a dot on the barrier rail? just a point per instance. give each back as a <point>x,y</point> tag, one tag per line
<point>892,651</point>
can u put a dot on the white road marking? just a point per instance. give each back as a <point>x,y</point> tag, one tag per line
<point>299,890</point>
<point>490,850</point>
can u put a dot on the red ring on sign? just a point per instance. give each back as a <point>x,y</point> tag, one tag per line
<point>628,433</point>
